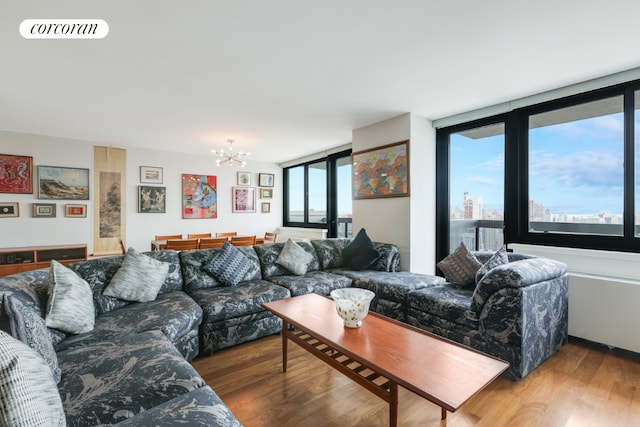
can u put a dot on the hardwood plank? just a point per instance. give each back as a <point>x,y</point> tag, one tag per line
<point>581,385</point>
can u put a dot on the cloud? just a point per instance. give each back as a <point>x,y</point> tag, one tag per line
<point>588,168</point>
<point>484,180</point>
<point>497,163</point>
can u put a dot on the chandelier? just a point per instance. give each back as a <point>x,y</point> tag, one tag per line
<point>229,156</point>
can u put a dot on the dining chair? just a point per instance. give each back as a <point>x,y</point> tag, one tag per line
<point>123,248</point>
<point>213,242</point>
<point>168,236</point>
<point>199,236</point>
<point>182,244</point>
<point>243,240</point>
<point>229,234</point>
<point>270,237</point>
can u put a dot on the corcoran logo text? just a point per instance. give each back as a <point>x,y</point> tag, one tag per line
<point>64,29</point>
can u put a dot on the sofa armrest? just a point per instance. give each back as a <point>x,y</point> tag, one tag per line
<point>516,274</point>
<point>389,259</point>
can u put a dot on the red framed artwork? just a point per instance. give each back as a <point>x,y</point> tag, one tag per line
<point>16,174</point>
<point>199,196</point>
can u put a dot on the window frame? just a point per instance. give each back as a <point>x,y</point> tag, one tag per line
<point>516,205</point>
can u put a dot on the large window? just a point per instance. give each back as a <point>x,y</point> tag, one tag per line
<point>318,195</point>
<point>571,174</point>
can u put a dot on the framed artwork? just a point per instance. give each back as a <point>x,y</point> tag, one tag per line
<point>199,196</point>
<point>266,179</point>
<point>16,174</point>
<point>150,175</point>
<point>43,210</point>
<point>75,211</point>
<point>244,199</point>
<point>244,178</point>
<point>152,199</point>
<point>63,183</point>
<point>381,171</point>
<point>266,207</point>
<point>266,193</point>
<point>9,209</point>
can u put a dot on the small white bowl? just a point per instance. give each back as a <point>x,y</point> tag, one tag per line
<point>352,304</point>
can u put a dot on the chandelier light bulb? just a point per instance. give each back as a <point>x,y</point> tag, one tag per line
<point>230,157</point>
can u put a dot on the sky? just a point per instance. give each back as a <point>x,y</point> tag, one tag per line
<point>574,167</point>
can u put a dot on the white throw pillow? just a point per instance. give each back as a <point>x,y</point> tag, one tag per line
<point>139,278</point>
<point>29,393</point>
<point>294,258</point>
<point>70,305</point>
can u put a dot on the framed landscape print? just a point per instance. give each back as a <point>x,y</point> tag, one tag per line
<point>244,199</point>
<point>266,179</point>
<point>381,171</point>
<point>199,196</point>
<point>151,199</point>
<point>9,209</point>
<point>150,175</point>
<point>266,193</point>
<point>16,174</point>
<point>75,211</point>
<point>63,183</point>
<point>44,210</point>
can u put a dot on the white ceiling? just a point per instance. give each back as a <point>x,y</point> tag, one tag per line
<point>288,78</point>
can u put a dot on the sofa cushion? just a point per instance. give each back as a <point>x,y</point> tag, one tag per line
<point>138,279</point>
<point>498,258</point>
<point>460,266</point>
<point>445,301</point>
<point>70,304</point>
<point>113,380</point>
<point>228,265</point>
<point>196,278</point>
<point>330,252</point>
<point>294,258</point>
<point>173,313</point>
<point>28,326</point>
<point>319,282</point>
<point>390,286</point>
<point>360,253</point>
<point>268,253</point>
<point>29,393</point>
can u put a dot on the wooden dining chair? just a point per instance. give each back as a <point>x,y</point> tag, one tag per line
<point>168,236</point>
<point>243,240</point>
<point>199,236</point>
<point>123,248</point>
<point>229,234</point>
<point>182,244</point>
<point>213,242</point>
<point>270,237</point>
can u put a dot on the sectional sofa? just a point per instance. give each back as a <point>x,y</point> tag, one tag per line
<point>128,364</point>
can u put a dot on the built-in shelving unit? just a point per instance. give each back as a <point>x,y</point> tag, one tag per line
<point>17,260</point>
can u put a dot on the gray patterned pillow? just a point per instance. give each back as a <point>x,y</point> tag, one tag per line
<point>29,394</point>
<point>228,265</point>
<point>294,258</point>
<point>499,258</point>
<point>460,266</point>
<point>138,279</point>
<point>70,304</point>
<point>27,326</point>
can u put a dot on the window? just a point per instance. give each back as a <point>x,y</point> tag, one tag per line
<point>318,195</point>
<point>571,172</point>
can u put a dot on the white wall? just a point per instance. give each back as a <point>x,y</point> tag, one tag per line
<point>50,151</point>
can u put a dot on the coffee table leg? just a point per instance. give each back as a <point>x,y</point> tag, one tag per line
<point>444,413</point>
<point>393,404</point>
<point>285,331</point>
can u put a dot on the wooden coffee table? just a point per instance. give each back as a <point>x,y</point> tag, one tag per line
<point>384,354</point>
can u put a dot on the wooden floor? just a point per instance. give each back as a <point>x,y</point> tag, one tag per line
<point>580,386</point>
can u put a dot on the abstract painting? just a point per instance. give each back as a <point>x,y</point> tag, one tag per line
<point>199,196</point>
<point>15,174</point>
<point>381,171</point>
<point>244,199</point>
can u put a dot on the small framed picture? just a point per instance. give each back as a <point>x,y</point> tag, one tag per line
<point>266,207</point>
<point>244,178</point>
<point>266,179</point>
<point>75,211</point>
<point>150,175</point>
<point>43,210</point>
<point>266,193</point>
<point>9,209</point>
<point>244,199</point>
<point>16,174</point>
<point>152,199</point>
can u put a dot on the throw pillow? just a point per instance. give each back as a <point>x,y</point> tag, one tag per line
<point>29,393</point>
<point>27,326</point>
<point>138,279</point>
<point>294,258</point>
<point>228,266</point>
<point>499,258</point>
<point>460,266</point>
<point>70,303</point>
<point>360,252</point>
